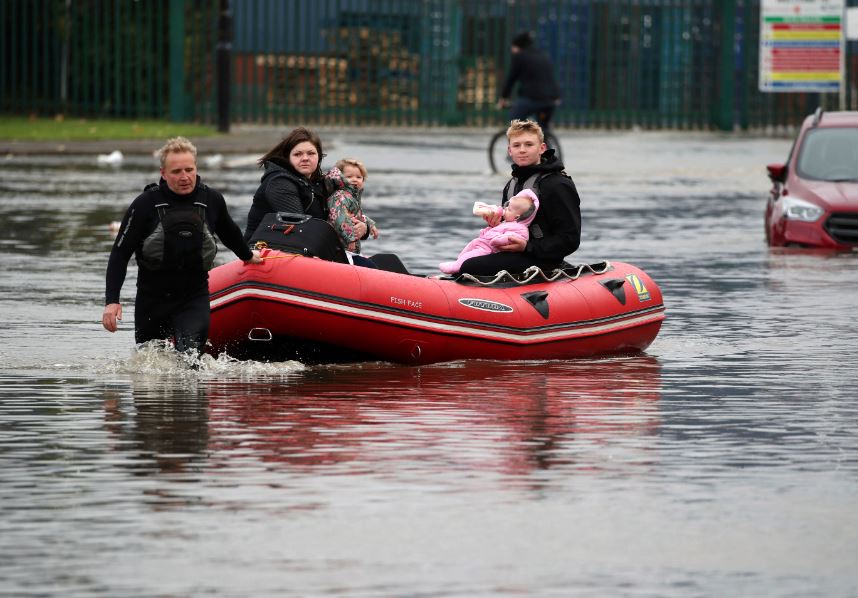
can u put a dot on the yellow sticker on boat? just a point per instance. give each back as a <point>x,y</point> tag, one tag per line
<point>639,287</point>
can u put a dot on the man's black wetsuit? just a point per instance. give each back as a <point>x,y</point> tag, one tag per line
<point>173,299</point>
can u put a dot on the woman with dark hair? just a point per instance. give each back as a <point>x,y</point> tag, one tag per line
<point>292,181</point>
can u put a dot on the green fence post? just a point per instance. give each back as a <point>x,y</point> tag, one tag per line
<point>178,106</point>
<point>725,112</point>
<point>223,63</point>
<point>440,21</point>
<point>452,59</point>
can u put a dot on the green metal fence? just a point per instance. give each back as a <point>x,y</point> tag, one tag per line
<point>83,57</point>
<point>679,64</point>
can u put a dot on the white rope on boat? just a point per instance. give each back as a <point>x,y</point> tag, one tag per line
<point>534,272</point>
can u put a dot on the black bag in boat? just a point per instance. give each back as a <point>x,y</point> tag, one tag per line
<point>299,233</point>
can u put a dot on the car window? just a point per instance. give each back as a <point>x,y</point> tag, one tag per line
<point>829,155</point>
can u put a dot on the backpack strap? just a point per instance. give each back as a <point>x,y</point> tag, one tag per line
<point>531,182</point>
<point>161,208</point>
<point>201,210</point>
<point>539,178</point>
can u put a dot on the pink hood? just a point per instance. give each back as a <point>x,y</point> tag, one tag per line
<point>529,194</point>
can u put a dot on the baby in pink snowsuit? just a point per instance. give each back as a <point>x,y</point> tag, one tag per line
<point>515,218</point>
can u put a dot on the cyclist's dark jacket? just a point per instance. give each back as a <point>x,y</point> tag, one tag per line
<point>140,221</point>
<point>556,230</point>
<point>533,71</point>
<point>284,190</point>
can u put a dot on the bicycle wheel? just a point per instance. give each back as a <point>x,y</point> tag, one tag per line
<point>499,160</point>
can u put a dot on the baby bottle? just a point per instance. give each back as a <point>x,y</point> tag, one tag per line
<point>483,209</point>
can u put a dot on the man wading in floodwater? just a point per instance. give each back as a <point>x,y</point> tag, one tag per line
<point>168,229</point>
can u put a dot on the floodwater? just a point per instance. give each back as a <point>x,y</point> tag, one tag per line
<point>722,462</point>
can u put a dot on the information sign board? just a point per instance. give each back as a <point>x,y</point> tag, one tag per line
<point>801,45</point>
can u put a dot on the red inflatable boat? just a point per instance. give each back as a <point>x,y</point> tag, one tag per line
<point>293,306</point>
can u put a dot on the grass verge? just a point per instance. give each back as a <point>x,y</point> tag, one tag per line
<point>14,128</point>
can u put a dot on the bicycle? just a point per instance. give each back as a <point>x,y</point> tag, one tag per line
<point>499,159</point>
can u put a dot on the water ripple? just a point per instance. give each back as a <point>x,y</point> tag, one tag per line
<point>722,462</point>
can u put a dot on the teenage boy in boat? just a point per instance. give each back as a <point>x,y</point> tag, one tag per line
<point>168,229</point>
<point>555,231</point>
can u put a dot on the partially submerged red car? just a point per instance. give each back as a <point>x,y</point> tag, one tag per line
<point>813,201</point>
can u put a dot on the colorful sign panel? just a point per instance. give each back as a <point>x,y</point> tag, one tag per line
<point>801,45</point>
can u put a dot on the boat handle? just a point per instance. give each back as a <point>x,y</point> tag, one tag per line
<point>266,334</point>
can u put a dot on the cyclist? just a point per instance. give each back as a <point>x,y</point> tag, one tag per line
<point>538,92</point>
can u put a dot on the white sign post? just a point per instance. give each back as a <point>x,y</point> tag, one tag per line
<point>852,23</point>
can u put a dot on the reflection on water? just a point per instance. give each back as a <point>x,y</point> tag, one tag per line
<point>509,418</point>
<point>168,427</point>
<point>722,462</point>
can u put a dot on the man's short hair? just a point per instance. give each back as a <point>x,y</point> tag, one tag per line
<point>176,145</point>
<point>517,127</point>
<point>523,40</point>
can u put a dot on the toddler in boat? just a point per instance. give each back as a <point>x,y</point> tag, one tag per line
<point>344,203</point>
<point>516,216</point>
